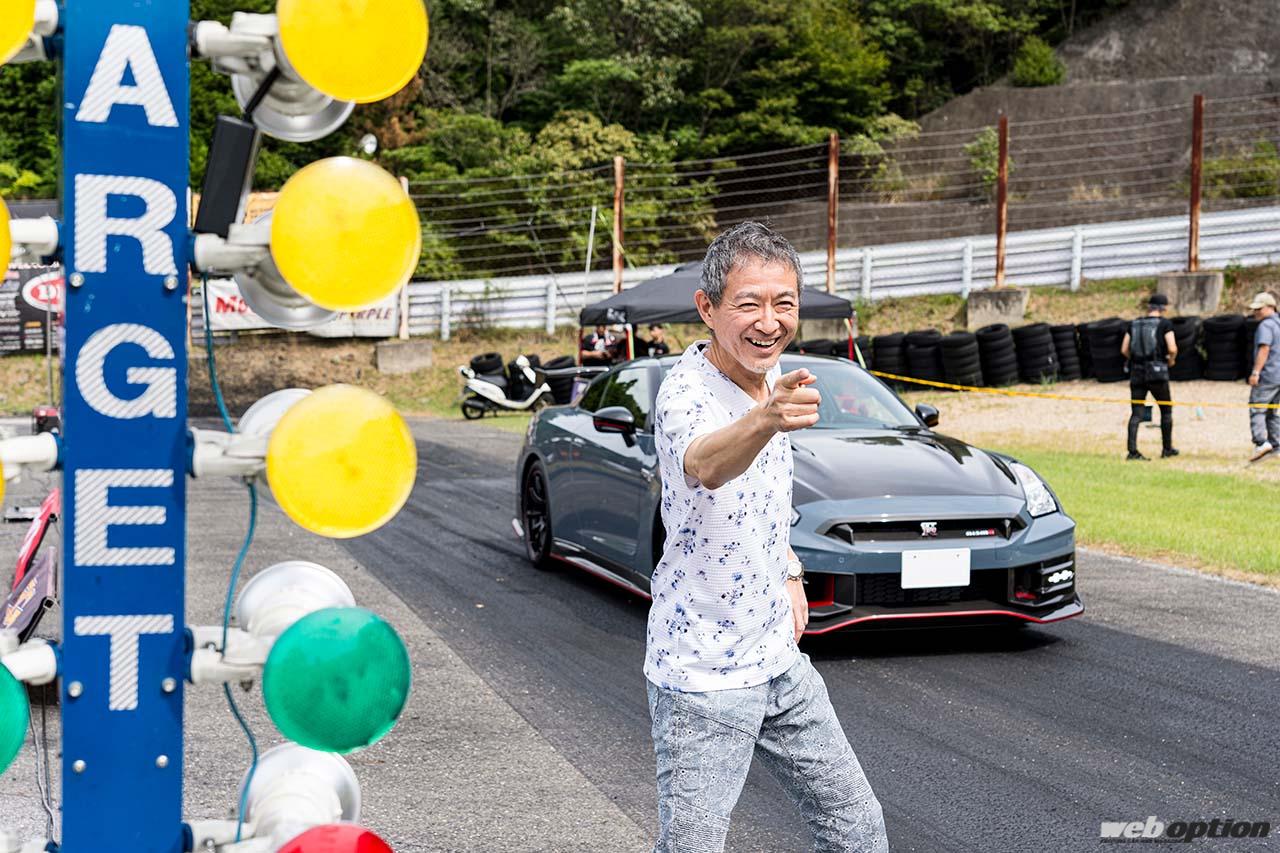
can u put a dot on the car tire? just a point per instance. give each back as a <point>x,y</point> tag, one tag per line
<point>535,516</point>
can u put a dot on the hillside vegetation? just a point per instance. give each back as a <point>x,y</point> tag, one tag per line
<point>530,86</point>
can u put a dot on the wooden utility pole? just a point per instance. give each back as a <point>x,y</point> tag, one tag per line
<point>617,223</point>
<point>833,206</point>
<point>1002,198</point>
<point>1197,159</point>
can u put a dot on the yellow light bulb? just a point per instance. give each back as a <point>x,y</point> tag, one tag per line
<point>354,50</point>
<point>17,20</point>
<point>344,234</point>
<point>6,239</point>
<point>341,461</point>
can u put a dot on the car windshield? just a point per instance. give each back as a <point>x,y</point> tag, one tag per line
<point>851,397</point>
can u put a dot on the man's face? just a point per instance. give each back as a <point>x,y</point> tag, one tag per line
<point>758,313</point>
<point>1263,312</point>
<point>657,333</point>
<point>600,331</point>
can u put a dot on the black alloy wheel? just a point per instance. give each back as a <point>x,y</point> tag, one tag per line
<point>535,515</point>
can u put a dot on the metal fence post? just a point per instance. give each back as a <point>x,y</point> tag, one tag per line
<point>619,185</point>
<point>833,207</point>
<point>1077,257</point>
<point>404,291</point>
<point>551,307</point>
<point>966,269</point>
<point>1002,198</point>
<point>445,310</point>
<point>1197,159</point>
<point>866,273</point>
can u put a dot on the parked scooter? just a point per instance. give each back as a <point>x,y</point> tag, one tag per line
<point>523,388</point>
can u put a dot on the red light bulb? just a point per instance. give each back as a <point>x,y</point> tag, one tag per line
<point>337,838</point>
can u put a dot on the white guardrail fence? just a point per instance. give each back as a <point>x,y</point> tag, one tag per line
<point>1057,256</point>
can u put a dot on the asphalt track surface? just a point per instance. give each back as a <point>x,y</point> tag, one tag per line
<point>1161,700</point>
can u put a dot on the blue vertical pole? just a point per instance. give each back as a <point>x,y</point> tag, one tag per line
<point>125,176</point>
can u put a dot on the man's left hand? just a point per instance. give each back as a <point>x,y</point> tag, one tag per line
<point>799,607</point>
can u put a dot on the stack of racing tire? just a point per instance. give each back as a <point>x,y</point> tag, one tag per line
<point>1188,365</point>
<point>997,356</point>
<point>1105,337</point>
<point>961,359</point>
<point>1037,357</point>
<point>561,386</point>
<point>820,346</point>
<point>1064,344</point>
<point>924,355</point>
<point>889,355</point>
<point>1222,336</point>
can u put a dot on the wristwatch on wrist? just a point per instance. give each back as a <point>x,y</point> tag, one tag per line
<point>795,570</point>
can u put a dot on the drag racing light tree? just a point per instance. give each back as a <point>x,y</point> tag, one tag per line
<point>339,460</point>
<point>343,236</point>
<point>32,662</point>
<point>24,25</point>
<point>335,677</point>
<point>308,64</point>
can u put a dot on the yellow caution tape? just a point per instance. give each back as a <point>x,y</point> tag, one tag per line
<point>1077,398</point>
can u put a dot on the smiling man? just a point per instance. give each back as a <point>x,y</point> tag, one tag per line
<point>726,678</point>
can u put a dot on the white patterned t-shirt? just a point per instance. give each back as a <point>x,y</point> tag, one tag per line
<point>721,614</point>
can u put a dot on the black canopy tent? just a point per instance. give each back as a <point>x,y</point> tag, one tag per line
<point>669,299</point>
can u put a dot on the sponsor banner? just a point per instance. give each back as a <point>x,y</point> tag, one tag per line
<point>30,299</point>
<point>229,312</point>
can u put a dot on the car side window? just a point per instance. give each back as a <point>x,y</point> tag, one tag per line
<point>633,389</point>
<point>590,400</point>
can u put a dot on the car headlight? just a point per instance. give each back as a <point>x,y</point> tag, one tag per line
<point>795,516</point>
<point>1039,500</point>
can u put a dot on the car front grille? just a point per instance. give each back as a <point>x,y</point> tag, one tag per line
<point>886,590</point>
<point>915,530</point>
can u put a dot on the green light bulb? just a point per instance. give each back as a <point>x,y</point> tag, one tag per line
<point>14,713</point>
<point>336,680</point>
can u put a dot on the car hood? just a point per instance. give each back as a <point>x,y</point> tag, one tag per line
<point>852,464</point>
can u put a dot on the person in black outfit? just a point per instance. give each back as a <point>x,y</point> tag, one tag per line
<point>657,343</point>
<point>1150,347</point>
<point>599,347</point>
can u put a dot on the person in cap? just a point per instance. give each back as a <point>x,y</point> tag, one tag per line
<point>1150,347</point>
<point>1264,379</point>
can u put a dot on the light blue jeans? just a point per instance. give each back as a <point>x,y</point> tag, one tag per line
<point>704,743</point>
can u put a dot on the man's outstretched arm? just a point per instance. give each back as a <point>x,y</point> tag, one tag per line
<point>717,457</point>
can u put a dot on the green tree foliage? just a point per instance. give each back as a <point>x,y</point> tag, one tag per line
<point>516,86</point>
<point>984,158</point>
<point>1252,172</point>
<point>1035,64</point>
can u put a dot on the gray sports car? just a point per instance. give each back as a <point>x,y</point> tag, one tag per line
<point>892,520</point>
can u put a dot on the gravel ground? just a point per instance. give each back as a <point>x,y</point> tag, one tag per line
<point>1210,438</point>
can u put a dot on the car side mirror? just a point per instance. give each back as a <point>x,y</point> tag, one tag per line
<point>614,419</point>
<point>928,414</point>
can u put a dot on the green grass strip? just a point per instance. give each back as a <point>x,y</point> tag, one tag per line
<point>1150,509</point>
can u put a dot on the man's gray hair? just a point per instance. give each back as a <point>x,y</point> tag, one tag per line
<point>748,238</point>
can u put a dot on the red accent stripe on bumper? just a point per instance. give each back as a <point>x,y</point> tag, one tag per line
<point>950,614</point>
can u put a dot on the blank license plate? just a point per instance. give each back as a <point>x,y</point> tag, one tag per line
<point>921,569</point>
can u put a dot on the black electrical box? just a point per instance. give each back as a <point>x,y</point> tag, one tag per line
<point>233,153</point>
